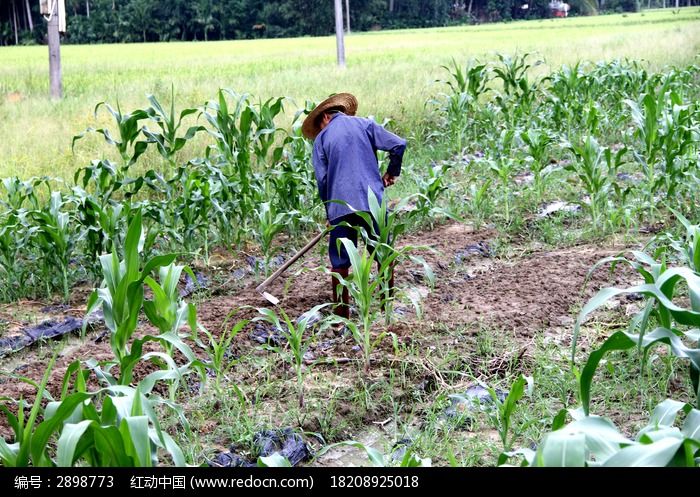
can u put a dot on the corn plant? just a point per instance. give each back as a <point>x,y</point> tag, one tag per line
<point>55,240</point>
<point>502,164</point>
<point>500,413</point>
<point>660,285</point>
<point>538,143</point>
<point>678,133</point>
<point>292,179</point>
<point>114,426</point>
<point>361,288</point>
<point>16,234</point>
<point>221,203</point>
<point>265,128</point>
<point>570,88</point>
<point>429,191</point>
<point>591,441</point>
<point>166,139</point>
<point>467,85</point>
<point>478,203</point>
<point>193,208</point>
<point>102,224</point>
<point>270,223</point>
<point>121,298</point>
<point>234,135</point>
<point>596,167</point>
<point>168,312</point>
<point>686,248</point>
<point>108,180</point>
<point>18,193</point>
<point>386,227</point>
<point>128,130</point>
<point>518,95</point>
<point>218,349</point>
<point>297,345</point>
<point>666,130</point>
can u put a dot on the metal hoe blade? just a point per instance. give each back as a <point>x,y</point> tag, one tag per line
<point>270,298</point>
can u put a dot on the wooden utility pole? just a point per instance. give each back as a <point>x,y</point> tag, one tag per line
<point>339,38</point>
<point>55,77</point>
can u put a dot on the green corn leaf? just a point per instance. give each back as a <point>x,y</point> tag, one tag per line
<point>8,453</point>
<point>682,316</point>
<point>109,446</point>
<point>156,262</point>
<point>32,443</point>
<point>66,454</point>
<point>174,450</point>
<point>652,434</point>
<point>622,340</point>
<point>657,454</point>
<point>559,420</point>
<point>691,426</point>
<point>134,431</point>
<point>12,420</point>
<point>665,413</point>
<point>602,437</point>
<point>132,245</point>
<point>562,449</point>
<point>48,427</point>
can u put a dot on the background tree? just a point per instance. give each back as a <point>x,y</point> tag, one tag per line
<point>118,21</point>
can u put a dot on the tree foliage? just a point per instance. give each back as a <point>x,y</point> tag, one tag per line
<point>118,21</point>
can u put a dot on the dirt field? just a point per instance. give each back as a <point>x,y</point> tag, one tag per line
<point>535,293</point>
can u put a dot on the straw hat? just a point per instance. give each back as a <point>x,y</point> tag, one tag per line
<point>344,102</point>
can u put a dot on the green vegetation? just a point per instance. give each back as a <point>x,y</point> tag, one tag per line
<point>536,158</point>
<point>389,72</point>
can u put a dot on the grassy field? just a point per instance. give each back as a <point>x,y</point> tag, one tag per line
<point>392,73</point>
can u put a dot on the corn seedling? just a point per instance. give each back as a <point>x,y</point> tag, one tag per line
<point>270,223</point>
<point>218,350</point>
<point>128,130</point>
<point>387,226</point>
<point>478,202</point>
<point>297,345</point>
<point>166,139</point>
<point>537,142</point>
<point>502,164</point>
<point>121,298</point>
<point>660,285</point>
<point>500,413</point>
<point>429,191</point>
<point>467,84</point>
<point>55,240</point>
<point>363,288</point>
<point>596,167</point>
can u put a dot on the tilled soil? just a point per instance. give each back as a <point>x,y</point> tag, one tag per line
<point>524,295</point>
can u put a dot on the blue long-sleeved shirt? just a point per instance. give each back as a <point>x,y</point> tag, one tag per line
<point>345,162</point>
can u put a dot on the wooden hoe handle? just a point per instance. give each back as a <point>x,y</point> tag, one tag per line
<point>261,287</point>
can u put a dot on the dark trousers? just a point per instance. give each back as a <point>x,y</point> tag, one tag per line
<point>339,256</point>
